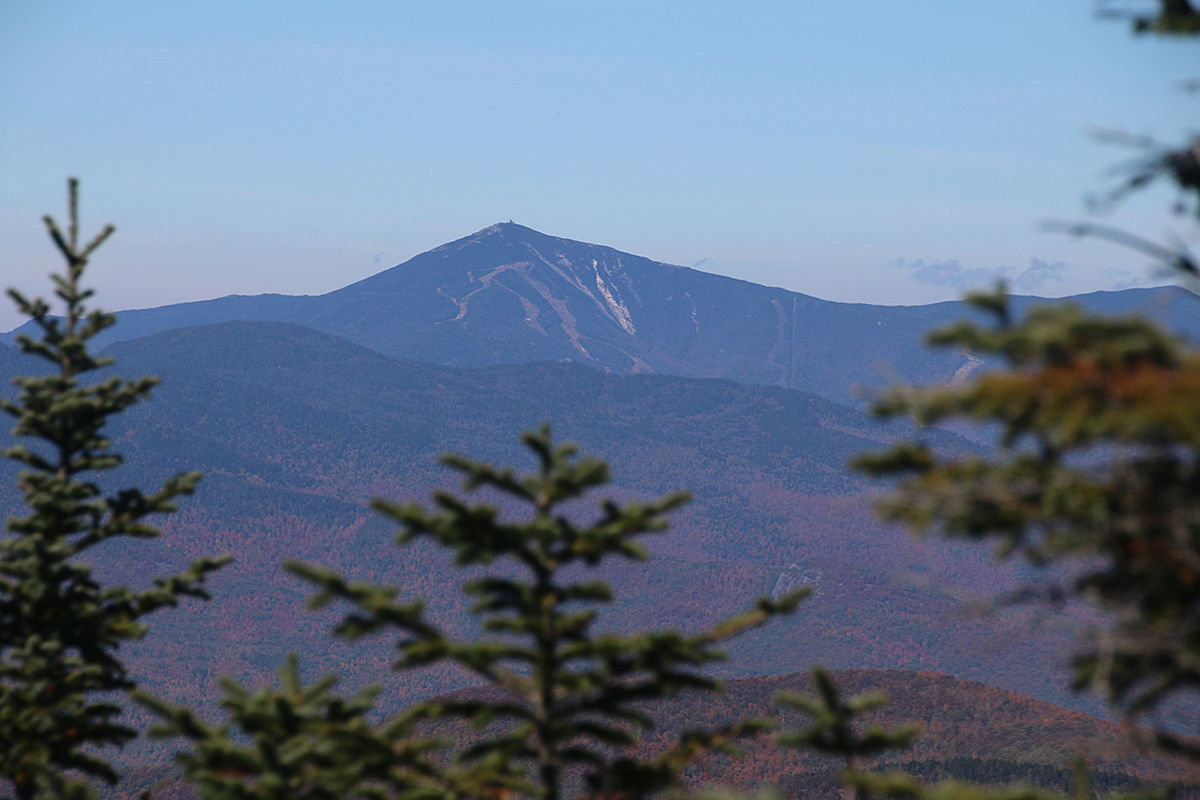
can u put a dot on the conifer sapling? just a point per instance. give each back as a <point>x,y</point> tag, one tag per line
<point>61,677</point>
<point>568,701</point>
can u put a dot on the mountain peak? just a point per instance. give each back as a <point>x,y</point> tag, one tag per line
<point>508,228</point>
<point>516,233</point>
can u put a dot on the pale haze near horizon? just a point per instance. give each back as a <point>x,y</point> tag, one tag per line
<point>873,152</point>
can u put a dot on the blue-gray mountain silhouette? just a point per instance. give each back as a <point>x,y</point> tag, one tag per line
<point>508,294</point>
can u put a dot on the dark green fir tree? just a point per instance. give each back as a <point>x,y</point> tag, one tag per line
<point>61,676</point>
<point>306,742</point>
<point>569,701</point>
<point>835,729</point>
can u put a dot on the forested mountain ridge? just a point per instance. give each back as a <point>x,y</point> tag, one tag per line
<point>969,731</point>
<point>509,294</point>
<point>295,429</point>
<point>965,725</point>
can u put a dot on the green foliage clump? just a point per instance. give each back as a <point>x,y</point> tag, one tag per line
<point>1173,18</point>
<point>304,743</point>
<point>60,629</point>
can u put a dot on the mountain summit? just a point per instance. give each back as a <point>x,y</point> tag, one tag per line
<point>509,294</point>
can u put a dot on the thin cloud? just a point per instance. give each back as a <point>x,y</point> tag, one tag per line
<point>1039,274</point>
<point>952,273</point>
<point>1116,279</point>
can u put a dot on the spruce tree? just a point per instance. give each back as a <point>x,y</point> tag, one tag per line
<point>835,729</point>
<point>61,676</point>
<point>1097,471</point>
<point>567,702</point>
<point>305,742</point>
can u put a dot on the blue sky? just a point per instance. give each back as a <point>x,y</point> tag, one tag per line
<point>874,151</point>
